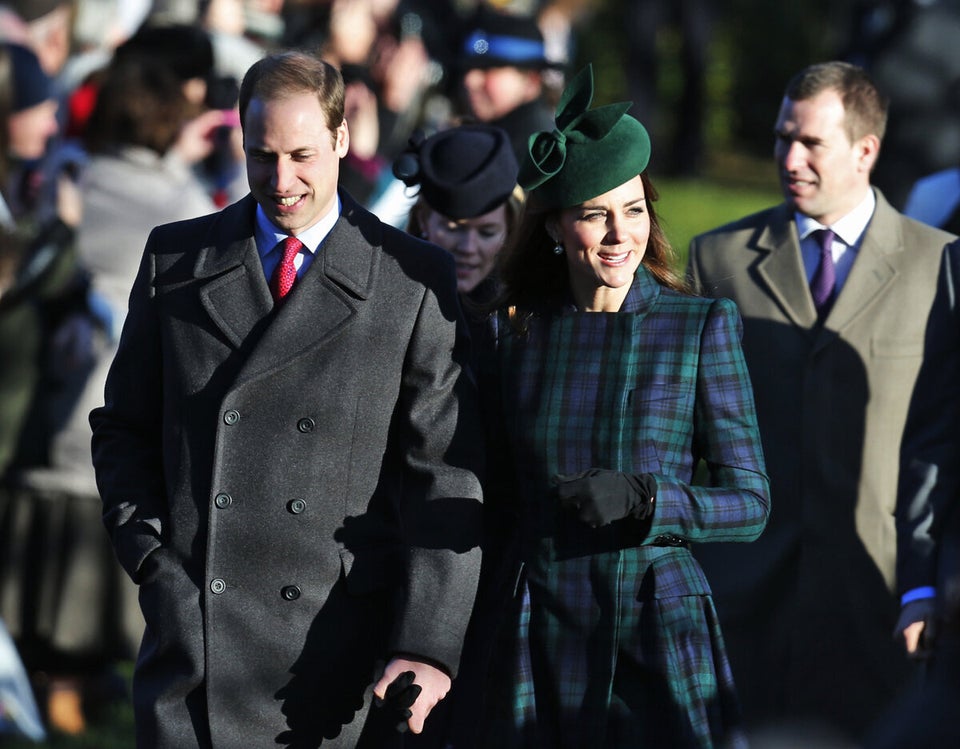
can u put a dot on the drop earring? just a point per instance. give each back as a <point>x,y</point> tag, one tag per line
<point>558,249</point>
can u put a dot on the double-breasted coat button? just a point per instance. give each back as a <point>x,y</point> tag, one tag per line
<point>296,506</point>
<point>290,592</point>
<point>222,500</point>
<point>306,424</point>
<point>217,585</point>
<point>231,417</point>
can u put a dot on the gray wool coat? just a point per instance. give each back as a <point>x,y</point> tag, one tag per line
<point>296,491</point>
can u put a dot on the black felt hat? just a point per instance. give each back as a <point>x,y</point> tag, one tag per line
<point>463,172</point>
<point>496,40</point>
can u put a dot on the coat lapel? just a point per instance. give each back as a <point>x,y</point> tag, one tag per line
<point>782,269</point>
<point>328,296</point>
<point>235,294</point>
<point>872,273</point>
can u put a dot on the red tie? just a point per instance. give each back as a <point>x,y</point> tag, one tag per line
<point>286,272</point>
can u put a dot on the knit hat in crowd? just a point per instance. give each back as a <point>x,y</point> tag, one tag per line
<point>463,172</point>
<point>496,40</point>
<point>31,86</point>
<point>589,152</point>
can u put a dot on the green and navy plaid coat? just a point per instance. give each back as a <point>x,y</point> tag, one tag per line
<point>613,640</point>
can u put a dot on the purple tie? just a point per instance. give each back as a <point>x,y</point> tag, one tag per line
<point>825,277</point>
<point>286,272</point>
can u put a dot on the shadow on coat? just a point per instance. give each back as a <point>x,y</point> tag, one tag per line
<point>805,610</point>
<point>327,700</point>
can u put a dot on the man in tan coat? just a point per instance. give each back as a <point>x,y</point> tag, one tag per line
<point>833,339</point>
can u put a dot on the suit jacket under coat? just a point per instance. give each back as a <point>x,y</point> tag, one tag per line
<point>296,490</point>
<point>808,610</point>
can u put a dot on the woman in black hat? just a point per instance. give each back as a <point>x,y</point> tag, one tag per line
<point>469,202</point>
<point>607,385</point>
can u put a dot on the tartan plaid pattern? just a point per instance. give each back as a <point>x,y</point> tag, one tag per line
<point>616,641</point>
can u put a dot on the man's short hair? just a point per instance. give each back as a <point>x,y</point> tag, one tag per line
<point>289,73</point>
<point>864,105</point>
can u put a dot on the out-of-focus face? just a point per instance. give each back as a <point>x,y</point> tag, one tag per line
<point>822,174</point>
<point>495,92</point>
<point>50,38</point>
<point>473,242</point>
<point>31,128</point>
<point>293,160</point>
<point>604,239</point>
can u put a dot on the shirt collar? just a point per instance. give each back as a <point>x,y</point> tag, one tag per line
<point>849,229</point>
<point>268,235</point>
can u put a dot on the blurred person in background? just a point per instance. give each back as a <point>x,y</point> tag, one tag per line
<point>99,27</point>
<point>935,199</point>
<point>501,62</point>
<point>43,335</point>
<point>379,48</point>
<point>681,125</point>
<point>141,139</point>
<point>187,52</point>
<point>909,47</point>
<point>45,26</point>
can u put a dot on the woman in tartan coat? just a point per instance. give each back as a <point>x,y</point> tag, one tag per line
<point>607,386</point>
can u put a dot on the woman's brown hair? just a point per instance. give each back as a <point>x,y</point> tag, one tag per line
<point>535,277</point>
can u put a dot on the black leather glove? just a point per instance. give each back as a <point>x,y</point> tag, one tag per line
<point>399,698</point>
<point>601,496</point>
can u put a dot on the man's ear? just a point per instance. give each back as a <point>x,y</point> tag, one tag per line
<point>341,142</point>
<point>868,148</point>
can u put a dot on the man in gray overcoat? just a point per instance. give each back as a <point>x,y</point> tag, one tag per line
<point>288,452</point>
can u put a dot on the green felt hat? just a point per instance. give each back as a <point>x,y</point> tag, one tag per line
<point>589,152</point>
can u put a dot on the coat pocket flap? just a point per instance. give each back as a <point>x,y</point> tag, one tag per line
<point>672,572</point>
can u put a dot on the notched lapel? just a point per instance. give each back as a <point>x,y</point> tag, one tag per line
<point>237,297</point>
<point>350,249</point>
<point>314,314</point>
<point>873,271</point>
<point>235,292</point>
<point>782,271</point>
<point>325,301</point>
